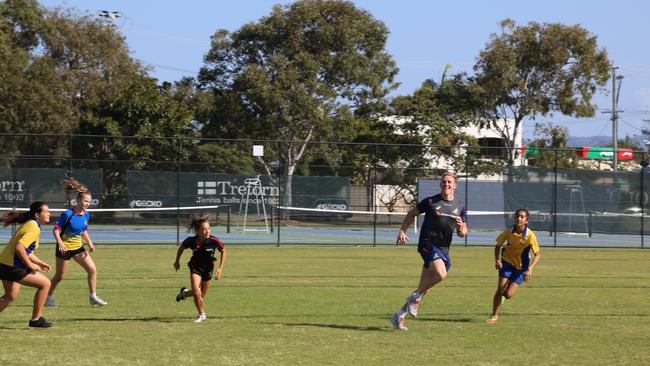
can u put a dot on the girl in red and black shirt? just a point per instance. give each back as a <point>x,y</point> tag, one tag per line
<point>204,249</point>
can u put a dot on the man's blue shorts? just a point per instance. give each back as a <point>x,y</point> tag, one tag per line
<point>511,272</point>
<point>430,253</point>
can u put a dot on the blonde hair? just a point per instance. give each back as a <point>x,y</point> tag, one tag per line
<point>449,174</point>
<point>71,184</point>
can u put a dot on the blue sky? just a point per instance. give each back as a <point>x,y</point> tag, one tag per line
<point>172,37</point>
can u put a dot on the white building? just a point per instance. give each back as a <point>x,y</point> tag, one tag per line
<point>493,144</point>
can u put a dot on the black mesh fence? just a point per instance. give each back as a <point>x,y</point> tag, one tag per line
<point>327,193</point>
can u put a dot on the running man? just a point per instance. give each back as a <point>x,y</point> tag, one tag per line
<point>443,214</point>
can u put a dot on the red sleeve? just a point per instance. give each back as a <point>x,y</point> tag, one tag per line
<point>220,245</point>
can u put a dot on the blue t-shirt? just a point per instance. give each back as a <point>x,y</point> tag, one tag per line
<point>439,220</point>
<point>72,225</point>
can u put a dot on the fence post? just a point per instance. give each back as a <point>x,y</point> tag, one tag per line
<point>555,200</point>
<point>374,200</point>
<point>466,193</point>
<point>644,164</point>
<point>281,198</point>
<point>178,192</point>
<point>229,218</point>
<point>69,172</point>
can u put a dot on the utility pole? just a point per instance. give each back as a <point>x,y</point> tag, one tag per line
<point>615,92</point>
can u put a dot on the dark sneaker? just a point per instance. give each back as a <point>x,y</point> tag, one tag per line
<point>40,323</point>
<point>181,294</point>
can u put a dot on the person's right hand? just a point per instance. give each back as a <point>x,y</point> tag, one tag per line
<point>402,238</point>
<point>177,265</point>
<point>62,249</point>
<point>498,264</point>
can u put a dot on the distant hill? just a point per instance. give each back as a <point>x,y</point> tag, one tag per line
<point>578,141</point>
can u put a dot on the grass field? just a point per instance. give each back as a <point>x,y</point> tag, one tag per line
<point>330,306</point>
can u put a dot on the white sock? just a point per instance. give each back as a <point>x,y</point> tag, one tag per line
<point>93,295</point>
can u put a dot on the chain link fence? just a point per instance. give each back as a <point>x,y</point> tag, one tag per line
<point>275,192</point>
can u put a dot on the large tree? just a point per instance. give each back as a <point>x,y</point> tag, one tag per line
<point>59,70</point>
<point>538,69</point>
<point>296,75</point>
<point>67,73</point>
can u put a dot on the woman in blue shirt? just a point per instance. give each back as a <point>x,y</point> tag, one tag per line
<point>69,231</point>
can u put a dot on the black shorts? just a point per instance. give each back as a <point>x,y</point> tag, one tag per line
<point>68,254</point>
<point>205,271</point>
<point>14,274</point>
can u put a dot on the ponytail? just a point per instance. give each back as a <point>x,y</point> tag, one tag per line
<point>196,223</point>
<point>22,217</point>
<point>71,184</point>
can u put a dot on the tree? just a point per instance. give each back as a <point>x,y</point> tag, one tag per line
<point>538,69</point>
<point>31,90</point>
<point>141,126</point>
<point>67,73</point>
<point>550,147</point>
<point>296,75</point>
<point>57,69</point>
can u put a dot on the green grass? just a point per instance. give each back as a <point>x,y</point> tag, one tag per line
<point>330,306</point>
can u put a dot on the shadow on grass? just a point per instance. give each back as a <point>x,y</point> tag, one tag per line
<point>332,326</point>
<point>447,320</point>
<point>158,319</point>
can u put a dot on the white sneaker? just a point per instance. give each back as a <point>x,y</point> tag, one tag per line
<point>412,305</point>
<point>96,300</point>
<point>200,319</point>
<point>397,322</point>
<point>49,302</point>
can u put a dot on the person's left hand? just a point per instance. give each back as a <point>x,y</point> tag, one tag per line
<point>527,275</point>
<point>45,267</point>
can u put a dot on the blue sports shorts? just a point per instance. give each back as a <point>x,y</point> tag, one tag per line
<point>511,272</point>
<point>430,253</point>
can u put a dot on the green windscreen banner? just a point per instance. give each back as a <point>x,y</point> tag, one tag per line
<point>19,187</point>
<point>583,200</point>
<point>169,189</point>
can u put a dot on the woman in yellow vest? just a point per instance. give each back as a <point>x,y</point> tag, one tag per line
<point>20,266</point>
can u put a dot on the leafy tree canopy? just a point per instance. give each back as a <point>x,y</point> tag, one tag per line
<point>538,69</point>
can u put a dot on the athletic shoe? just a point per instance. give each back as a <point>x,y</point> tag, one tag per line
<point>412,305</point>
<point>397,322</point>
<point>200,318</point>
<point>96,300</point>
<point>493,319</point>
<point>181,294</point>
<point>49,302</point>
<point>40,323</point>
